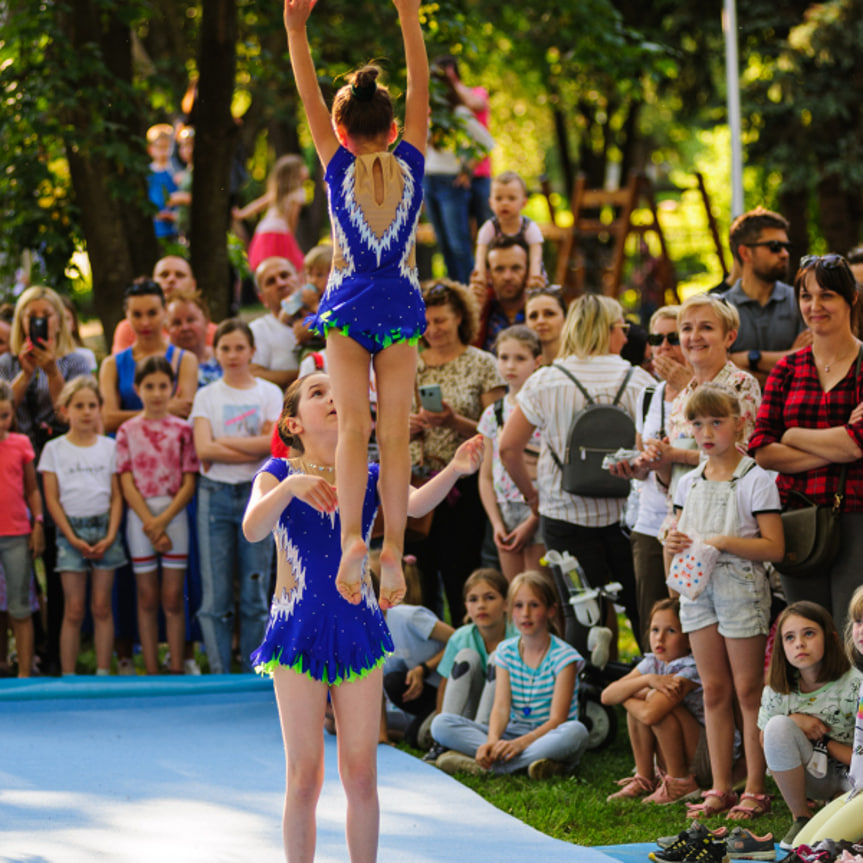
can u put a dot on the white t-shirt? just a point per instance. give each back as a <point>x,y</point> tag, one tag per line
<point>411,628</point>
<point>83,474</point>
<point>548,400</point>
<point>756,493</point>
<point>275,344</point>
<point>652,499</point>
<point>236,413</point>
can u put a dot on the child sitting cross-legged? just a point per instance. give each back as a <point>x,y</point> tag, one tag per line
<point>664,707</point>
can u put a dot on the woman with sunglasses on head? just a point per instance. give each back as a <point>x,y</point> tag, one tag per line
<point>811,423</point>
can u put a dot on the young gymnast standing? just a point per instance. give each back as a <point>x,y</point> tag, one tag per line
<point>316,642</point>
<point>372,308</point>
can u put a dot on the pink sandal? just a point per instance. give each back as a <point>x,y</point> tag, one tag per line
<point>727,800</point>
<point>762,806</point>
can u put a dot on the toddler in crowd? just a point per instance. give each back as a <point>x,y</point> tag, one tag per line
<point>82,494</point>
<point>157,464</point>
<point>20,539</point>
<point>515,527</point>
<point>508,199</point>
<point>808,712</point>
<point>732,505</point>
<point>372,311</point>
<point>160,181</point>
<point>534,719</point>
<point>664,712</point>
<point>304,302</point>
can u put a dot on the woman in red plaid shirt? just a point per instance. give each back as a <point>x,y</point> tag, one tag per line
<point>811,423</point>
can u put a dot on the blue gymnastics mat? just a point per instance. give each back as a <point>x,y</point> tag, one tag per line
<point>191,770</point>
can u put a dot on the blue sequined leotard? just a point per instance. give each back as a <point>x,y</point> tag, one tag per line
<point>312,628</point>
<point>373,293</point>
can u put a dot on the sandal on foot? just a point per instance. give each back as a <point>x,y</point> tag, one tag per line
<point>749,813</point>
<point>727,799</point>
<point>632,787</point>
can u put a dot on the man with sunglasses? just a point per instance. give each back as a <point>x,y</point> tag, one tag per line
<point>770,323</point>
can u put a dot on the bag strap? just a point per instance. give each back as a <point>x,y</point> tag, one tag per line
<point>590,399</point>
<point>498,412</point>
<point>623,384</point>
<point>649,393</point>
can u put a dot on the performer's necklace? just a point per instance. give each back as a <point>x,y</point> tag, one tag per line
<point>322,467</point>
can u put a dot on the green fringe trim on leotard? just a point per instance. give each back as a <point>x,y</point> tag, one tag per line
<point>270,666</point>
<point>393,337</point>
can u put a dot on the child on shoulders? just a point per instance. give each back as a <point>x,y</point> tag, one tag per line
<point>508,199</point>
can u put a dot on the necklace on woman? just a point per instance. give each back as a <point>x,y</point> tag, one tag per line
<point>840,358</point>
<point>528,709</point>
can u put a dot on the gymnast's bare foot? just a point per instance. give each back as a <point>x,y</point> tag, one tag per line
<point>350,575</point>
<point>392,578</point>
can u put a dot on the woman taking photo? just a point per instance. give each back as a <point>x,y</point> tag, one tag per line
<point>41,359</point>
<point>544,313</point>
<point>587,527</point>
<point>469,381</point>
<point>810,425</point>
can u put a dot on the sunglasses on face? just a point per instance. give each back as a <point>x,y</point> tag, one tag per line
<point>656,339</point>
<point>775,246</point>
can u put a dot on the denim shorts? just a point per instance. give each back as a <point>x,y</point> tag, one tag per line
<point>737,597</point>
<point>513,513</point>
<point>90,528</point>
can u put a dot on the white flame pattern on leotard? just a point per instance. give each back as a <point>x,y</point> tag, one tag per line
<point>378,246</point>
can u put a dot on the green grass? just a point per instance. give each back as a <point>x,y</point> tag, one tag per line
<point>574,808</point>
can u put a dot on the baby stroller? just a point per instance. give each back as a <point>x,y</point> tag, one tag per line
<point>583,607</point>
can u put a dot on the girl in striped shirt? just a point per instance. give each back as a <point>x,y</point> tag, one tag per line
<point>534,721</point>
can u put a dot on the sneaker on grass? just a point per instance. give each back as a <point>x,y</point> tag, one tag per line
<point>787,842</point>
<point>545,768</point>
<point>457,762</point>
<point>673,849</point>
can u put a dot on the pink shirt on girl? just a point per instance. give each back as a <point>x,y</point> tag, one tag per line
<point>157,453</point>
<point>15,452</point>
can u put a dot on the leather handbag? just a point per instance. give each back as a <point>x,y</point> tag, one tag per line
<point>812,531</point>
<point>811,536</point>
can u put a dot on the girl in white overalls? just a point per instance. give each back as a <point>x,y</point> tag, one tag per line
<point>732,504</point>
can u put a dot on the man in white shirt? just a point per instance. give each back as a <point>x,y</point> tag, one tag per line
<point>275,343</point>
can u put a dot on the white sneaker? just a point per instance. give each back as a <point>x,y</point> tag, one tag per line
<point>599,645</point>
<point>191,667</point>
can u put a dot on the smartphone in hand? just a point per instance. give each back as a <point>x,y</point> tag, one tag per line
<point>431,399</point>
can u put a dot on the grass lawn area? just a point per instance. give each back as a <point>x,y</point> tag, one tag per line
<point>574,808</point>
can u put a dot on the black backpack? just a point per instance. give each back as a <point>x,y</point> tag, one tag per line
<point>595,431</point>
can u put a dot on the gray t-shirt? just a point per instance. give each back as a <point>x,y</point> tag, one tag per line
<point>771,327</point>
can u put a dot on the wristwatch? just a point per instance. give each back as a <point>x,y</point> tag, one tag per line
<point>754,358</point>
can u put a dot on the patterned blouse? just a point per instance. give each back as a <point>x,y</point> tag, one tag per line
<point>741,383</point>
<point>463,382</point>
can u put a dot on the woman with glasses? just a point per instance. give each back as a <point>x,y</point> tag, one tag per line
<point>811,423</point>
<point>587,527</point>
<point>469,382</point>
<point>707,327</point>
<point>545,313</point>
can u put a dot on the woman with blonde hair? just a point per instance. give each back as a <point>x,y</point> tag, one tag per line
<point>587,527</point>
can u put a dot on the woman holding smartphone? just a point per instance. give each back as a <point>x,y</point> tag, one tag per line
<point>41,359</point>
<point>466,381</point>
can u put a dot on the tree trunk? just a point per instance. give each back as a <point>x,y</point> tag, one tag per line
<point>215,141</point>
<point>121,243</point>
<point>794,205</point>
<point>839,214</point>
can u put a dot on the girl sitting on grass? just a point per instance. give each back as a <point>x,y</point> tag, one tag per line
<point>662,697</point>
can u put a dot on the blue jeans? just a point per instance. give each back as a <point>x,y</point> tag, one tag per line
<point>564,743</point>
<point>221,542</point>
<point>448,206</point>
